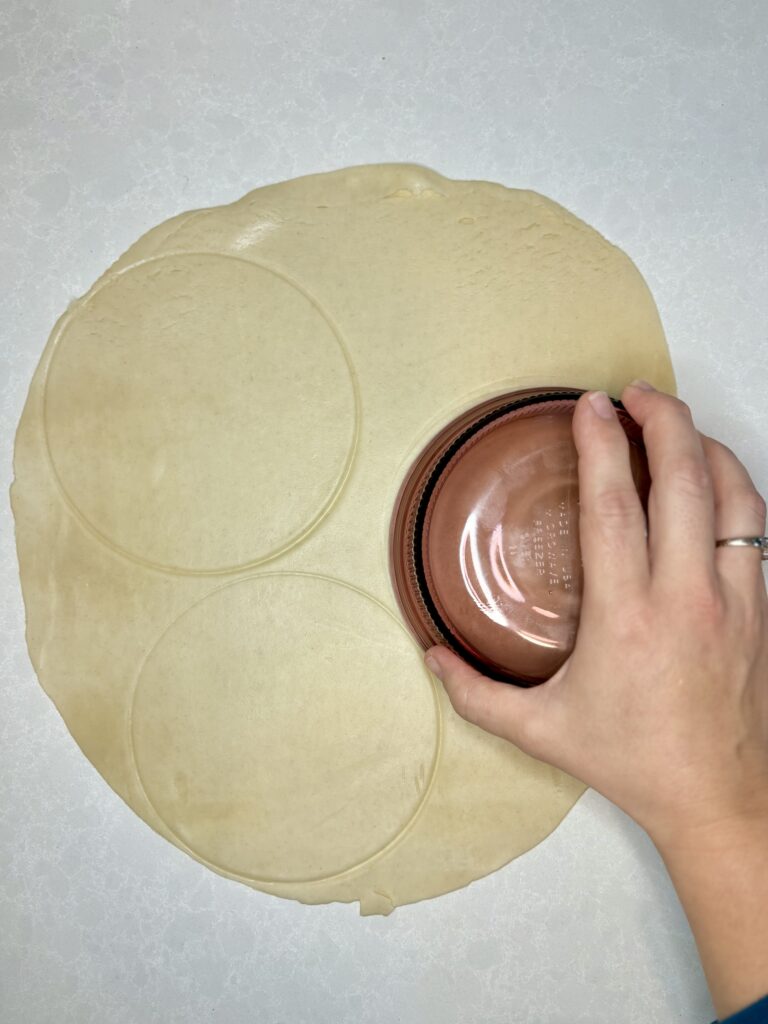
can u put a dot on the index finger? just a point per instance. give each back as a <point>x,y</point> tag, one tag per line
<point>611,519</point>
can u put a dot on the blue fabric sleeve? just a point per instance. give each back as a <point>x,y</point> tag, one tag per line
<point>757,1013</point>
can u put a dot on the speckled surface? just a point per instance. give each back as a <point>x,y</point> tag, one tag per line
<point>646,120</point>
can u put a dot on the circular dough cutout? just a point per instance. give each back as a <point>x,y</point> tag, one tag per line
<point>200,412</point>
<point>253,736</point>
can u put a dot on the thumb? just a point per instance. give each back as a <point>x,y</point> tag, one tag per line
<point>505,710</point>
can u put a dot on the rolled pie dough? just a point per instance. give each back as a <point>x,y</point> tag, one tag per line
<point>205,471</point>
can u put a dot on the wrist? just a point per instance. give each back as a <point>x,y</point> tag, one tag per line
<point>719,836</point>
<point>717,866</point>
<point>713,829</point>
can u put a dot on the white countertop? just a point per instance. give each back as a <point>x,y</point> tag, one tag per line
<point>646,119</point>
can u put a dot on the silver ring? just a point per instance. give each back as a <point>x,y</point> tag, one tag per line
<point>745,542</point>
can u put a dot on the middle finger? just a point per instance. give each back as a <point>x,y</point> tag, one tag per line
<point>681,510</point>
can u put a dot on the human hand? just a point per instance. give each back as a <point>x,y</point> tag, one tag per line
<point>663,705</point>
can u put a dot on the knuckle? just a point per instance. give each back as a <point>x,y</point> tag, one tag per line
<point>468,700</point>
<point>745,498</point>
<point>684,409</point>
<point>670,407</point>
<point>635,624</point>
<point>690,476</point>
<point>756,504</point>
<point>461,697</point>
<point>614,507</point>
<point>705,605</point>
<point>530,733</point>
<point>679,407</point>
<point>719,448</point>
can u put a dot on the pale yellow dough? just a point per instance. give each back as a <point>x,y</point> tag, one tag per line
<point>205,470</point>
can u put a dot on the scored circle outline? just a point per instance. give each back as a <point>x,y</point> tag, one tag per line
<point>427,789</point>
<point>325,507</point>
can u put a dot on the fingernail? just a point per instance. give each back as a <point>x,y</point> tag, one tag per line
<point>642,384</point>
<point>602,405</point>
<point>433,665</point>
